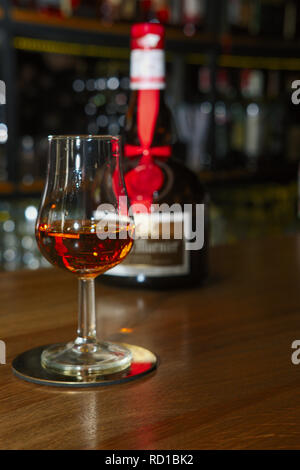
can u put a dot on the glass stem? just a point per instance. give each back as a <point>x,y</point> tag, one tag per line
<point>86,332</point>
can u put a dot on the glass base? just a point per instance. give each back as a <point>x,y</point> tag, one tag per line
<point>27,366</point>
<point>82,359</point>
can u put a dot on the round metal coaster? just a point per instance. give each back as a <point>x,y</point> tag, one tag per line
<point>27,366</point>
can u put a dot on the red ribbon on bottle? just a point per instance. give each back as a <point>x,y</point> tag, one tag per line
<point>147,177</point>
<point>134,151</point>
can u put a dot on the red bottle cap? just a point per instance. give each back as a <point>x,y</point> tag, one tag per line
<point>147,36</point>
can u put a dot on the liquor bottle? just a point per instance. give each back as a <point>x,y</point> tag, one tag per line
<point>195,121</point>
<point>3,132</point>
<point>223,160</point>
<point>238,123</point>
<point>153,176</point>
<point>162,10</point>
<point>128,10</point>
<point>110,10</point>
<point>176,16</point>
<point>87,8</point>
<point>30,4</point>
<point>193,11</point>
<point>252,86</point>
<point>274,9</point>
<point>200,149</point>
<point>52,7</point>
<point>145,10</point>
<point>239,15</point>
<point>275,120</point>
<point>291,26</point>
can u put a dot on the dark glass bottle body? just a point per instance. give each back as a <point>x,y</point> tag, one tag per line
<point>180,185</point>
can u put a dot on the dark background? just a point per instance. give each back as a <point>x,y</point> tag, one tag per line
<point>230,66</point>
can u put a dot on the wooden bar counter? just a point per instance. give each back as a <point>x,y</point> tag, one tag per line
<point>226,380</point>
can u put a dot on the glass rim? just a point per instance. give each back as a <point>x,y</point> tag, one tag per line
<point>83,137</point>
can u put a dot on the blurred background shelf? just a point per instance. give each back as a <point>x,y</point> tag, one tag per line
<point>247,45</point>
<point>20,189</point>
<point>230,69</point>
<point>215,72</point>
<point>94,31</point>
<point>6,188</point>
<point>86,31</point>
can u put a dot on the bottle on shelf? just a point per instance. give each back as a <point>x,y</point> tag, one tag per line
<point>274,122</point>
<point>3,133</point>
<point>238,123</point>
<point>193,14</point>
<point>194,119</point>
<point>109,10</point>
<point>128,10</point>
<point>162,10</point>
<point>28,167</point>
<point>201,140</point>
<point>145,10</point>
<point>222,118</point>
<point>28,4</point>
<point>176,16</point>
<point>271,18</point>
<point>55,7</point>
<point>252,87</point>
<point>291,20</point>
<point>239,16</point>
<point>86,8</point>
<point>154,176</point>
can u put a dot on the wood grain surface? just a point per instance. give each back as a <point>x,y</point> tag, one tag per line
<point>226,380</point>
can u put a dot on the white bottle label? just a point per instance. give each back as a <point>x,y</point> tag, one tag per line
<point>156,256</point>
<point>147,69</point>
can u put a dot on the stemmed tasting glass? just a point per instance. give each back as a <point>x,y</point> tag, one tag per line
<point>83,226</point>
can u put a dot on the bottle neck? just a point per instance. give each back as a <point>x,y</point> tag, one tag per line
<point>139,107</point>
<point>147,69</point>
